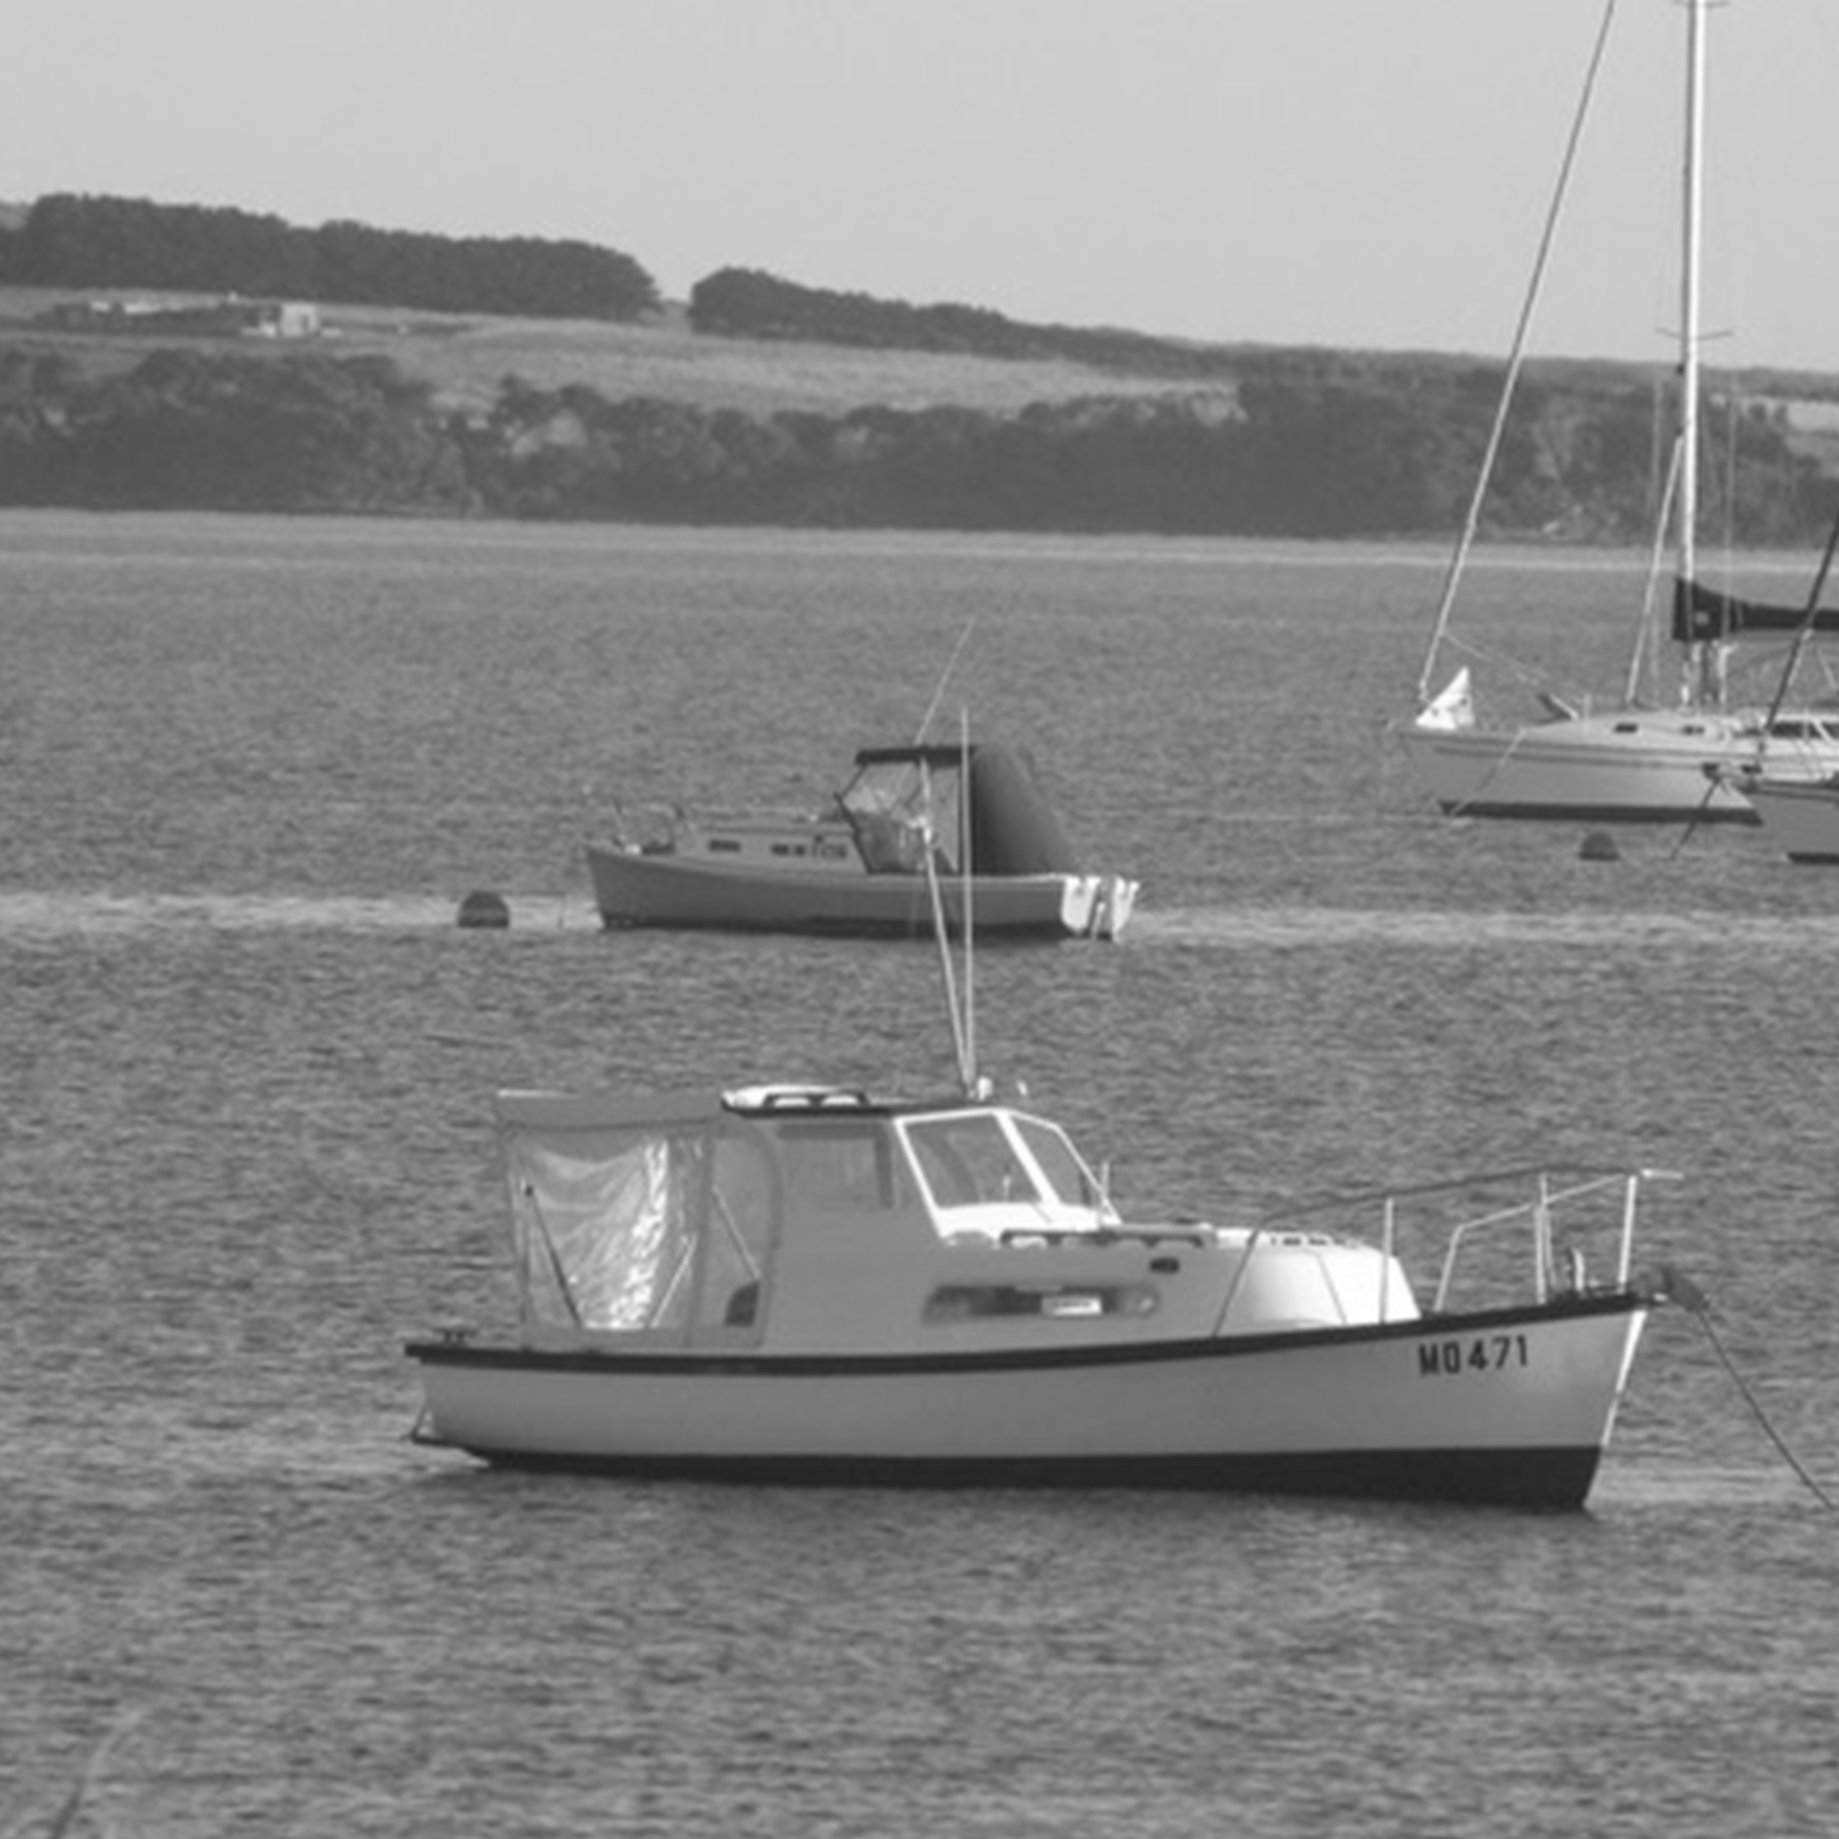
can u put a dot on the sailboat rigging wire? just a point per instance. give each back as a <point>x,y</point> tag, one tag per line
<point>938,695</point>
<point>1645,651</point>
<point>966,1072</point>
<point>1516,359</point>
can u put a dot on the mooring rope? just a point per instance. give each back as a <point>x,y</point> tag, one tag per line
<point>1679,1288</point>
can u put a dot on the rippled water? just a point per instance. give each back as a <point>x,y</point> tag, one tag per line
<point>250,767</point>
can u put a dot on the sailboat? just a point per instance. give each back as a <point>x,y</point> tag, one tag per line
<point>1633,760</point>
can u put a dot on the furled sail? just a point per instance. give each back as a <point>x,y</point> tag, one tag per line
<point>1703,615</point>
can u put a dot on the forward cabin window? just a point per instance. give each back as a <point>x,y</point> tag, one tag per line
<point>968,1162</point>
<point>1065,1173</point>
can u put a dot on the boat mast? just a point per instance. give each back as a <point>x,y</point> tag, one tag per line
<point>1703,662</point>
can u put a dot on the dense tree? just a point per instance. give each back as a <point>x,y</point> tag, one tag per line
<point>1315,449</point>
<point>72,241</point>
<point>749,303</point>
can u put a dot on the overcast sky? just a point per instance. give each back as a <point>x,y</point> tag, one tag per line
<point>1362,173</point>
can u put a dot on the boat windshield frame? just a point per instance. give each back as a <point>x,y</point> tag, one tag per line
<point>985,1168</point>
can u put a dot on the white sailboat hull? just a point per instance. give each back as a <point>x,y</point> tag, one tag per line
<point>1646,766</point>
<point>1801,819</point>
<point>1508,1405</point>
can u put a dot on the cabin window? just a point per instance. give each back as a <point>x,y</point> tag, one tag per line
<point>841,1167</point>
<point>1627,728</point>
<point>1066,1174</point>
<point>967,1302</point>
<point>968,1161</point>
<point>896,807</point>
<point>724,846</point>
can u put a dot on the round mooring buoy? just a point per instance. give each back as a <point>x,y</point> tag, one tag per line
<point>1599,846</point>
<point>483,908</point>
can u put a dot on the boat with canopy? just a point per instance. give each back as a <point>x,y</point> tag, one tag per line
<point>975,811</point>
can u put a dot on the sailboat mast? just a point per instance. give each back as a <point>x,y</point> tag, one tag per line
<point>1701,669</point>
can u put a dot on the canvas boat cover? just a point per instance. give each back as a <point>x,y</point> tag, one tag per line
<point>1013,828</point>
<point>626,1215</point>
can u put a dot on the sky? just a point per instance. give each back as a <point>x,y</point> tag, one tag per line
<point>1368,174</point>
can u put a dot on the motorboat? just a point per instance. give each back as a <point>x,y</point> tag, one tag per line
<point>974,813</point>
<point>812,1284</point>
<point>1668,748</point>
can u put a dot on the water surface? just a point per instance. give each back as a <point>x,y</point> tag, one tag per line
<point>252,766</point>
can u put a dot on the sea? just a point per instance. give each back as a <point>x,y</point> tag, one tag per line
<point>249,768</point>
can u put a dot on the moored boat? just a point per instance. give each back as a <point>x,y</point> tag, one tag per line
<point>920,832</point>
<point>1800,818</point>
<point>814,1284</point>
<point>1663,751</point>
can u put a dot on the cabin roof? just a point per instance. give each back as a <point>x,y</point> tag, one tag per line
<point>938,754</point>
<point>614,1110</point>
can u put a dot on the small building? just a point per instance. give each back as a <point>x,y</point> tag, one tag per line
<point>228,317</point>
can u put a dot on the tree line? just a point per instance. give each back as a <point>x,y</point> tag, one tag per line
<point>68,240</point>
<point>750,303</point>
<point>1297,449</point>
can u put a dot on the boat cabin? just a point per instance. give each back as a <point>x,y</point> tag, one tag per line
<point>899,800</point>
<point>820,1220</point>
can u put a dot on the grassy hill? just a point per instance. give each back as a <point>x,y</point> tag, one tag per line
<point>466,358</point>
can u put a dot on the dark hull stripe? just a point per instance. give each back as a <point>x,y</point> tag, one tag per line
<point>1553,1479</point>
<point>460,1353</point>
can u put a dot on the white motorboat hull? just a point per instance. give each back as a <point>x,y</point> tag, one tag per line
<point>636,888</point>
<point>1511,1406</point>
<point>1802,820</point>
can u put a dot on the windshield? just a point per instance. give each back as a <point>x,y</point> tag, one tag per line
<point>1069,1178</point>
<point>968,1161</point>
<point>890,803</point>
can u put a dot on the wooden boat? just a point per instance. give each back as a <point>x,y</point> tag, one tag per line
<point>975,812</point>
<point>807,1284</point>
<point>1659,752</point>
